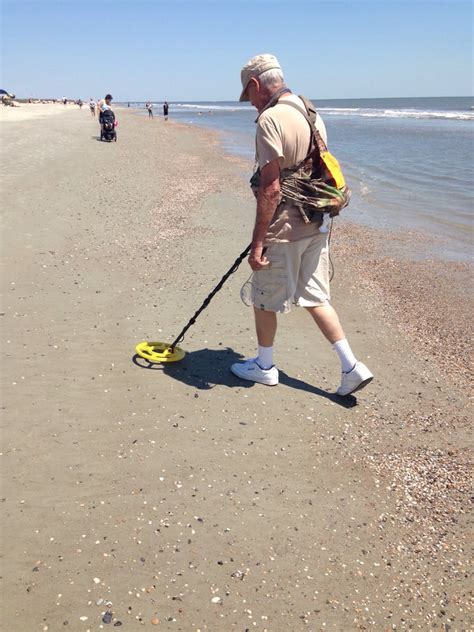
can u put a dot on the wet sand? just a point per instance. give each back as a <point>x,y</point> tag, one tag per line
<point>188,499</point>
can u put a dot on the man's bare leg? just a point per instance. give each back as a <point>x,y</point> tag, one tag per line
<point>261,368</point>
<point>266,326</point>
<point>327,320</point>
<point>355,375</point>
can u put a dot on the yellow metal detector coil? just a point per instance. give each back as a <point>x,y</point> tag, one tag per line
<point>159,352</point>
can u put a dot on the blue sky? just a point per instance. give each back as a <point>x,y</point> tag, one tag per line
<point>193,50</point>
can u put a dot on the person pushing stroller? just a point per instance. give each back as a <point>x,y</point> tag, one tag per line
<point>107,119</point>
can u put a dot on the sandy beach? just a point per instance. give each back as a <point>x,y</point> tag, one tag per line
<point>177,497</point>
<point>28,111</point>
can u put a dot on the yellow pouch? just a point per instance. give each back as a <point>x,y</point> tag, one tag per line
<point>334,168</point>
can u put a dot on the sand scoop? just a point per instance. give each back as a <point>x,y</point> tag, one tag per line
<point>162,352</point>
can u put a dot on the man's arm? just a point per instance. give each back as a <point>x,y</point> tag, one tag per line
<point>268,198</point>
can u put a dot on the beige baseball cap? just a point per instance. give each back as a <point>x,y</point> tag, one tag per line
<point>255,67</point>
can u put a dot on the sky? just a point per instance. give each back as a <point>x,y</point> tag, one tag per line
<point>192,50</point>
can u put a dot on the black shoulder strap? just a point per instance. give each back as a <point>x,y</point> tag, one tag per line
<point>310,115</point>
<point>273,101</point>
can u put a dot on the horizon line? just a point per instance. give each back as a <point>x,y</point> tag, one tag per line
<point>123,100</point>
<point>457,96</point>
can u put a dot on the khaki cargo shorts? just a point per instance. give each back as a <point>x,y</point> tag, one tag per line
<point>298,274</point>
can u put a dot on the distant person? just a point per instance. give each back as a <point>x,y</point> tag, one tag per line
<point>64,100</point>
<point>128,105</point>
<point>92,105</point>
<point>165,110</point>
<point>80,103</point>
<point>149,107</point>
<point>103,106</point>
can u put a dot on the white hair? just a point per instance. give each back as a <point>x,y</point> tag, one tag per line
<point>272,77</point>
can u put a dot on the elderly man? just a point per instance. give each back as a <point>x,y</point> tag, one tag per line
<point>289,257</point>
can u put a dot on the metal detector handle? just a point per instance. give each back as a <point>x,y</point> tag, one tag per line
<point>209,298</point>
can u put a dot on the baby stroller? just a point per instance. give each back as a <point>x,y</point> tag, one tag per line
<point>107,126</point>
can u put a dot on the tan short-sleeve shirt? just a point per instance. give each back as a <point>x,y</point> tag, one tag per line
<point>284,134</point>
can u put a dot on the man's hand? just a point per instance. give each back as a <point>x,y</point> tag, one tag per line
<point>257,259</point>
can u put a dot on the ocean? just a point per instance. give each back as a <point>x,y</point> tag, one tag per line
<point>408,161</point>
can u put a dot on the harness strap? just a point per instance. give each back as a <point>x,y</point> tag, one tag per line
<point>312,124</point>
<point>315,135</point>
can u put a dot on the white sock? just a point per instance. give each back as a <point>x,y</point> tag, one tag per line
<point>265,357</point>
<point>345,354</point>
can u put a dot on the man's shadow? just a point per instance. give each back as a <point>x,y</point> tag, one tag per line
<point>206,368</point>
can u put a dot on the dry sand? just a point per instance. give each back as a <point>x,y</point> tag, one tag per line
<point>186,498</point>
<point>28,111</point>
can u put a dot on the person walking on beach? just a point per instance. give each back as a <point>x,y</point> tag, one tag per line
<point>92,106</point>
<point>165,110</point>
<point>289,258</point>
<point>149,107</point>
<point>103,105</point>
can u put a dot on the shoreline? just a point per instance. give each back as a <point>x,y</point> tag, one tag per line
<point>189,496</point>
<point>377,199</point>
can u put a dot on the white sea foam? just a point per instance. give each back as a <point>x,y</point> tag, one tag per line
<point>210,106</point>
<point>457,115</point>
<point>386,113</point>
<point>402,113</point>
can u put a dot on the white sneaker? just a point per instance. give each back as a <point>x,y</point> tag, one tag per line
<point>356,379</point>
<point>250,370</point>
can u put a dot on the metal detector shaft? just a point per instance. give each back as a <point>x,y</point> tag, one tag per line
<point>209,298</point>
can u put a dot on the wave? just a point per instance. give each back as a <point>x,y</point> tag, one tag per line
<point>211,106</point>
<point>363,112</point>
<point>188,106</point>
<point>385,113</point>
<point>407,113</point>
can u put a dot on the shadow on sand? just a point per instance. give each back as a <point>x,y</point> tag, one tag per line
<point>207,368</point>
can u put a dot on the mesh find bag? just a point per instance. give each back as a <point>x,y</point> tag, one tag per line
<point>316,185</point>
